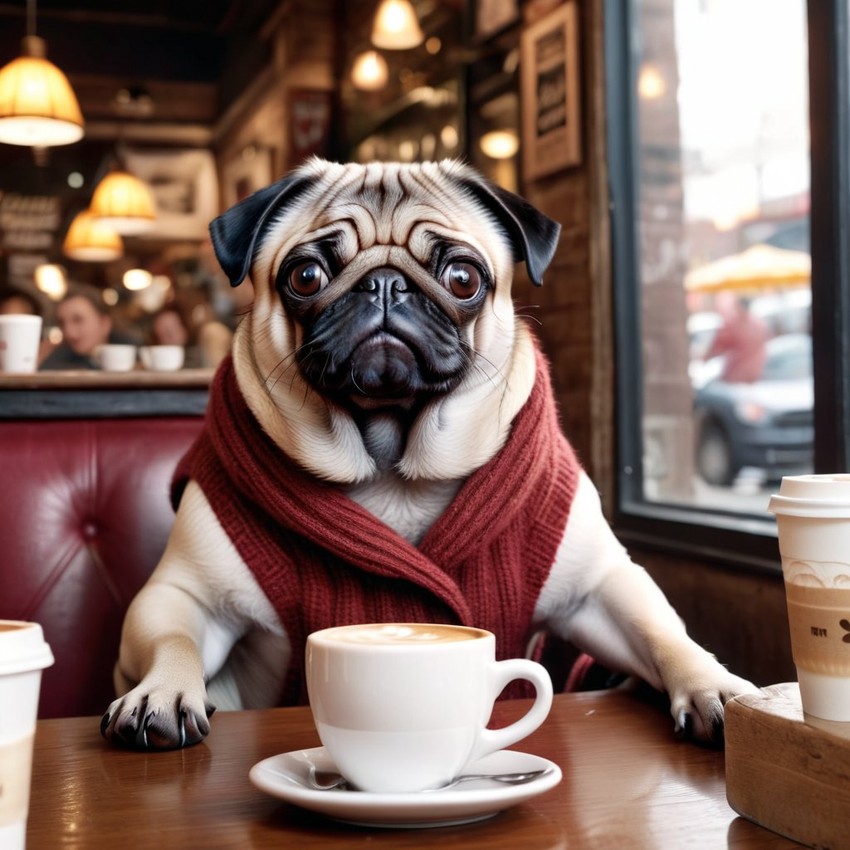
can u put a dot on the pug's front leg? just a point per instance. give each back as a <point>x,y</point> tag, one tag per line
<point>628,625</point>
<point>160,654</point>
<point>603,602</point>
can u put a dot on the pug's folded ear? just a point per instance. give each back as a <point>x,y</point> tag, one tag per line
<point>533,235</point>
<point>235,232</point>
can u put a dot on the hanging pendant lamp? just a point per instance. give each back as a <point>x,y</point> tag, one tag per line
<point>396,26</point>
<point>89,240</point>
<point>124,203</point>
<point>38,107</point>
<point>370,71</point>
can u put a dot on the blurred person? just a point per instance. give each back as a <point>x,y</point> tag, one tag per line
<point>741,341</point>
<point>86,323</point>
<point>15,301</point>
<point>205,339</point>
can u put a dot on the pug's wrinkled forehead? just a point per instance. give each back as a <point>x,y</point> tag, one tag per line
<point>360,217</point>
<point>355,219</point>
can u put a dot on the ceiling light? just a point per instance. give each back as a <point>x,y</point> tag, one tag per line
<point>51,280</point>
<point>500,144</point>
<point>395,26</point>
<point>90,240</point>
<point>370,71</point>
<point>449,137</point>
<point>37,104</point>
<point>124,203</point>
<point>136,279</point>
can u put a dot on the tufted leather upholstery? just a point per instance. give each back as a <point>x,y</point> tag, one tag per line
<point>84,517</point>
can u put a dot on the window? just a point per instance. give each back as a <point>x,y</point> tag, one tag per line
<point>728,165</point>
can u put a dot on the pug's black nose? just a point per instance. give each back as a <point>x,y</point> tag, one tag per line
<point>385,286</point>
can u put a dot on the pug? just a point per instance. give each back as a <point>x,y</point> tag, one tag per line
<point>383,446</point>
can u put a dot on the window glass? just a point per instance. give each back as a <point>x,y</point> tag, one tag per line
<point>722,231</point>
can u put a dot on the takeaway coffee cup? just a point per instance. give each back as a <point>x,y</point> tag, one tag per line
<point>20,336</point>
<point>404,707</point>
<point>162,358</point>
<point>23,655</point>
<point>813,522</point>
<point>115,357</point>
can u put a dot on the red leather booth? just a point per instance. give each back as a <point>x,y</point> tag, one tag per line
<point>84,518</point>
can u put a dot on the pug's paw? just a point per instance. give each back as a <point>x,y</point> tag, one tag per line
<point>697,704</point>
<point>158,718</point>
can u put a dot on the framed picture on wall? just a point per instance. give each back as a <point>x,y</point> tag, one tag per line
<point>493,16</point>
<point>550,86</point>
<point>184,186</point>
<point>309,124</point>
<point>245,173</point>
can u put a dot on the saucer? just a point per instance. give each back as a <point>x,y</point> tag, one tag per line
<point>286,776</point>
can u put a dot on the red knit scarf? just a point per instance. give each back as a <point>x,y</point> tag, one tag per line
<point>323,560</point>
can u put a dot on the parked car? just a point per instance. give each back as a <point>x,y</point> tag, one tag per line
<point>767,424</point>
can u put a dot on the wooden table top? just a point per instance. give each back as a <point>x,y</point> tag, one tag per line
<point>628,783</point>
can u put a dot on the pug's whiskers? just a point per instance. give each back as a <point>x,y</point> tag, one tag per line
<point>473,361</point>
<point>278,372</point>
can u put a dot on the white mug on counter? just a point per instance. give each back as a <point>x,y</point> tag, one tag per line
<point>162,358</point>
<point>115,358</point>
<point>403,707</point>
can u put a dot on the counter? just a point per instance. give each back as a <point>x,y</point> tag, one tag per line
<point>91,394</point>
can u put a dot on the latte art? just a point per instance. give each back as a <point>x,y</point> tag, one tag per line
<point>403,634</point>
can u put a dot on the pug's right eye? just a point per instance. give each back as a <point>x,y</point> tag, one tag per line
<point>307,278</point>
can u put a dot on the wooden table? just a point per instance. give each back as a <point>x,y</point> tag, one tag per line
<point>628,783</point>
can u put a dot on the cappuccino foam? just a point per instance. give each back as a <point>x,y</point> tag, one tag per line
<point>403,634</point>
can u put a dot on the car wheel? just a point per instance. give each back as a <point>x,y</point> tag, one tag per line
<point>715,458</point>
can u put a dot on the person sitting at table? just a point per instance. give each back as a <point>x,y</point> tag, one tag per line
<point>86,323</point>
<point>206,341</point>
<point>14,301</point>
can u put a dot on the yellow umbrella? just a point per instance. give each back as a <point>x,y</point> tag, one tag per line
<point>759,267</point>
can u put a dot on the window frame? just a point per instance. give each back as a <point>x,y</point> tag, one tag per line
<point>742,540</point>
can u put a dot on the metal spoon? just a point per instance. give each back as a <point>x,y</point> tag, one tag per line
<point>327,780</point>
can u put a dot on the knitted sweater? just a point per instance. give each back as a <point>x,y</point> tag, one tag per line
<point>323,560</point>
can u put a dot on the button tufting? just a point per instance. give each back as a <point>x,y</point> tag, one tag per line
<point>89,530</point>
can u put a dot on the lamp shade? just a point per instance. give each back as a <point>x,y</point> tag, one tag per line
<point>124,203</point>
<point>500,144</point>
<point>396,26</point>
<point>370,72</point>
<point>37,104</point>
<point>90,240</point>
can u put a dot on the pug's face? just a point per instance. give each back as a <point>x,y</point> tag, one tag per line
<point>383,285</point>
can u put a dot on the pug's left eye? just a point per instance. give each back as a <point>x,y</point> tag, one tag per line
<point>463,280</point>
<point>307,278</point>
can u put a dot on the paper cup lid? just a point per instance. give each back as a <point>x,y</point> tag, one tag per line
<point>22,647</point>
<point>813,496</point>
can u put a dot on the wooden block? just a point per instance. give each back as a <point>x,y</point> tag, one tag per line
<point>787,771</point>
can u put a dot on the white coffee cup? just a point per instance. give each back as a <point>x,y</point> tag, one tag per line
<point>23,655</point>
<point>403,707</point>
<point>162,358</point>
<point>813,524</point>
<point>20,336</point>
<point>115,357</point>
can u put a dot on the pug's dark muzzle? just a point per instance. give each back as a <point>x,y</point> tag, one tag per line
<point>384,340</point>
